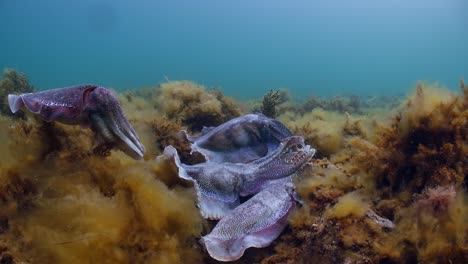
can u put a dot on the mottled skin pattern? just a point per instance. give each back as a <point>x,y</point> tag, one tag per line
<point>86,105</point>
<point>220,185</point>
<point>239,140</point>
<point>255,223</point>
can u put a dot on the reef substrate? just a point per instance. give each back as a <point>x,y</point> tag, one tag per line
<point>388,184</point>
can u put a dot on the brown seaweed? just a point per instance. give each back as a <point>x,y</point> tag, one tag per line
<point>270,104</point>
<point>166,133</point>
<point>63,203</point>
<point>351,104</point>
<point>193,106</point>
<point>410,169</point>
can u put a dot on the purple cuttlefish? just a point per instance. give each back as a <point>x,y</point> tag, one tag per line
<point>86,105</point>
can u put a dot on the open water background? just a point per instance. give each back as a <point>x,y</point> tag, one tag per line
<point>244,47</point>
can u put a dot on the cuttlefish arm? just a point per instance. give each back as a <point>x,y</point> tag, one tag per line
<point>291,155</point>
<point>255,223</point>
<point>217,190</point>
<point>108,120</point>
<point>86,105</point>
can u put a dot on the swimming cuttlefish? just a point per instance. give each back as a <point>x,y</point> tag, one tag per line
<point>86,105</point>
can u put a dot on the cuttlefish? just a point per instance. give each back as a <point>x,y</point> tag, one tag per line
<point>86,105</point>
<point>240,140</point>
<point>255,223</point>
<point>220,185</point>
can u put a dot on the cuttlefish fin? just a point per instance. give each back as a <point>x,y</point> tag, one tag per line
<point>15,102</point>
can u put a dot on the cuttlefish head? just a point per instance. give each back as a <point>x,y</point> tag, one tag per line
<point>291,155</point>
<point>109,123</point>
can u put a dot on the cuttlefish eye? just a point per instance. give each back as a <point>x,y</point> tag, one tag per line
<point>107,119</point>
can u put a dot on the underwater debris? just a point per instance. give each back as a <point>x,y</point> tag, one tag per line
<point>241,139</point>
<point>383,222</point>
<point>193,106</point>
<point>12,82</point>
<point>86,105</point>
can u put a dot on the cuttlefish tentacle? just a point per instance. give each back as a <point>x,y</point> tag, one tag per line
<point>291,155</point>
<point>86,105</point>
<point>104,110</point>
<point>255,223</point>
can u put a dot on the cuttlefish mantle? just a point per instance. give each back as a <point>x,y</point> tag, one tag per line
<point>240,140</point>
<point>220,185</point>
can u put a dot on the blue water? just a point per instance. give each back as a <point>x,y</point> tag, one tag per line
<point>245,47</point>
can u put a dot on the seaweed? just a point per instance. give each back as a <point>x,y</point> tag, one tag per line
<point>193,106</point>
<point>270,103</point>
<point>331,226</point>
<point>322,129</point>
<point>47,140</point>
<point>341,104</point>
<point>407,168</point>
<point>385,187</point>
<point>425,145</point>
<point>62,204</point>
<point>273,104</point>
<point>351,104</point>
<point>166,133</point>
